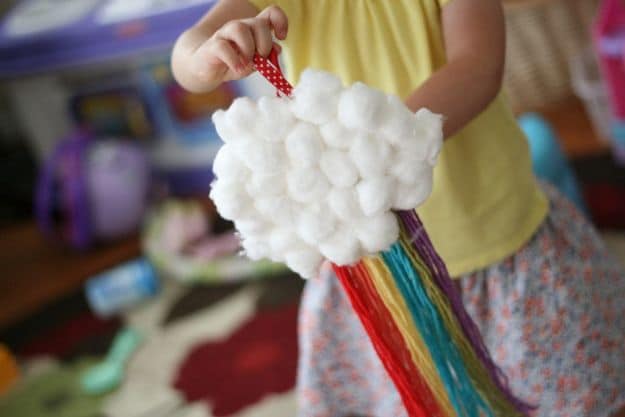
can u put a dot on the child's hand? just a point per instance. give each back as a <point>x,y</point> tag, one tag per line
<point>228,54</point>
<point>203,59</point>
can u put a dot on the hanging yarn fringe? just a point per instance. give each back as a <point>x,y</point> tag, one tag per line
<point>410,306</point>
<point>416,321</point>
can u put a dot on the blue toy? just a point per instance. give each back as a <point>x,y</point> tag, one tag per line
<point>550,163</point>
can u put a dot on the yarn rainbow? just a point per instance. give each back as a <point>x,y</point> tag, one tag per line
<point>417,323</point>
<point>429,345</point>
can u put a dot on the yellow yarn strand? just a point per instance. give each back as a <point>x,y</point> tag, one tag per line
<point>389,293</point>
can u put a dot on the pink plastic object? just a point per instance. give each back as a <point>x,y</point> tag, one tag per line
<point>609,41</point>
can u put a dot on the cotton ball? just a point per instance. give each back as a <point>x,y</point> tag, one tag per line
<point>305,261</point>
<point>241,116</point>
<point>287,213</point>
<point>314,105</point>
<point>225,132</point>
<point>408,197</point>
<point>319,80</point>
<point>244,147</point>
<point>281,240</point>
<point>371,156</point>
<point>338,168</point>
<point>434,151</point>
<point>267,205</point>
<point>400,124</point>
<point>251,226</point>
<point>409,171</point>
<point>307,185</point>
<point>342,248</point>
<point>256,248</point>
<point>227,165</point>
<point>276,120</point>
<point>284,213</point>
<point>375,195</point>
<point>315,98</point>
<point>266,185</point>
<point>277,209</point>
<point>315,224</point>
<point>414,149</point>
<point>361,107</point>
<point>344,203</point>
<point>335,135</point>
<point>431,122</point>
<point>304,145</point>
<point>432,127</point>
<point>269,158</point>
<point>230,199</point>
<point>378,233</point>
<point>262,158</point>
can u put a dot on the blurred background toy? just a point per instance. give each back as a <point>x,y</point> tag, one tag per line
<point>118,179</point>
<point>550,163</point>
<point>116,110</point>
<point>122,287</point>
<point>186,142</point>
<point>108,374</point>
<point>104,43</point>
<point>92,190</point>
<point>187,241</point>
<point>9,370</point>
<point>609,43</point>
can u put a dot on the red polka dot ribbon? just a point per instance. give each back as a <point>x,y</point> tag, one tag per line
<point>270,69</point>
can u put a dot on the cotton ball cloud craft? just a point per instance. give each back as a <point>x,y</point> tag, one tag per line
<point>316,175</point>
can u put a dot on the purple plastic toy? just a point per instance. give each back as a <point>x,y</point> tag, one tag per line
<point>62,210</point>
<point>92,190</point>
<point>117,183</point>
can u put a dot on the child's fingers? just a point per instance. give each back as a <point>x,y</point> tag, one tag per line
<point>216,53</point>
<point>277,20</point>
<point>225,52</point>
<point>241,35</point>
<point>247,70</point>
<point>262,37</point>
<point>229,52</point>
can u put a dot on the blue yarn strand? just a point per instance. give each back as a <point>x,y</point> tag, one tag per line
<point>465,399</point>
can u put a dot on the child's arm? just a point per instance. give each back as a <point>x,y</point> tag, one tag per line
<point>220,47</point>
<point>474,34</point>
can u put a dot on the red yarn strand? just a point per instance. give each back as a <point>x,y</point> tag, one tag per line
<point>387,341</point>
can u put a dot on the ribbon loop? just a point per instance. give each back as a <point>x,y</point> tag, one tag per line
<point>270,69</point>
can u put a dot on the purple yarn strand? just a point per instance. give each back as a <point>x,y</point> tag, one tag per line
<point>423,245</point>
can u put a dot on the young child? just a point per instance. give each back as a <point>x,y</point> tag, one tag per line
<point>533,272</point>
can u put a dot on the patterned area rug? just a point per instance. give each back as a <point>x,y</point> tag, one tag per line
<point>227,351</point>
<point>209,351</point>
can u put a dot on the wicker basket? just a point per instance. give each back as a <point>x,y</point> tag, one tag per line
<point>543,36</point>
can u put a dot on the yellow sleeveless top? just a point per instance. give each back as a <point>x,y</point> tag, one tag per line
<point>486,202</point>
